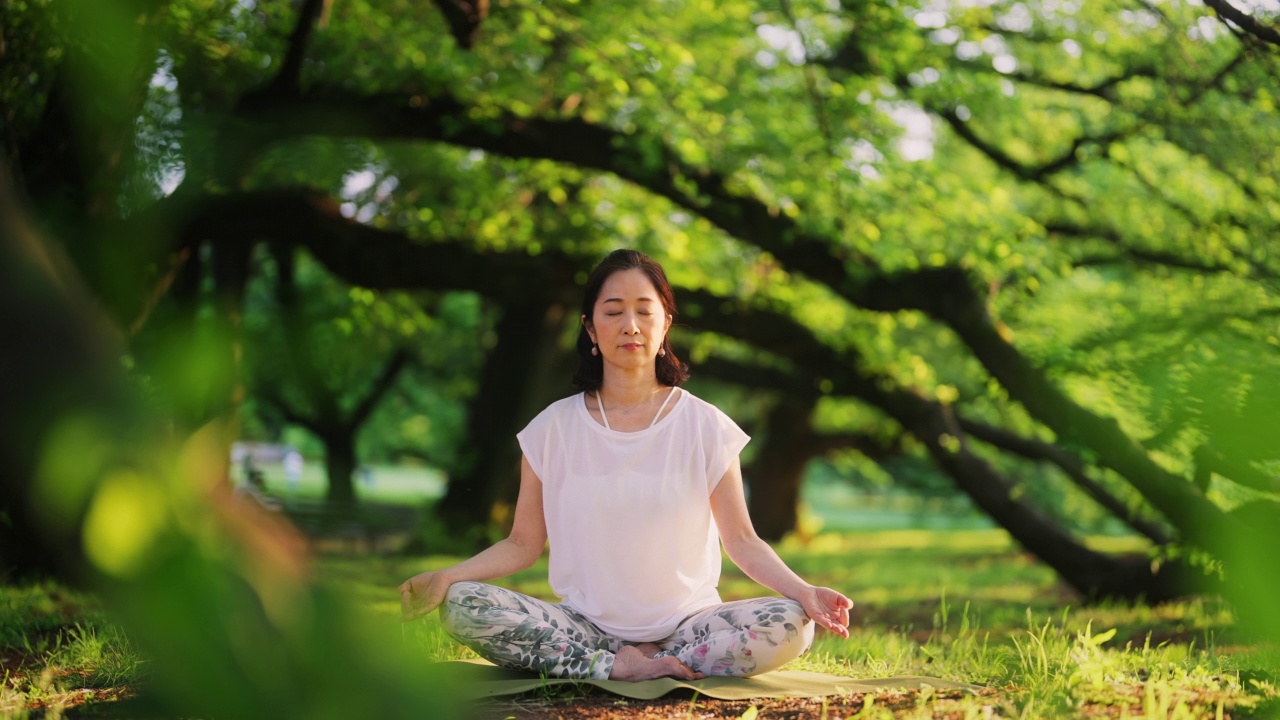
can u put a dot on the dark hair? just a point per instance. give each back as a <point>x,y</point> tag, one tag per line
<point>671,371</point>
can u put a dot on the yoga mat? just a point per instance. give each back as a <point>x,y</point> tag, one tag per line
<point>480,679</point>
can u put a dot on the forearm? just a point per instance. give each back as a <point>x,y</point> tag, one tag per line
<point>759,561</point>
<point>499,560</point>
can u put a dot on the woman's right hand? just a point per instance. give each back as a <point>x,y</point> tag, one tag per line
<point>422,593</point>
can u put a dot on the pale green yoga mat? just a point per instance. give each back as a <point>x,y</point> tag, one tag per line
<point>480,679</point>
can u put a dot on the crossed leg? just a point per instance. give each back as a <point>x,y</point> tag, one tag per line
<point>514,630</point>
<point>745,637</point>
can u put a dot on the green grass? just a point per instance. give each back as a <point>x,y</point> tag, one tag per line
<point>398,484</point>
<point>58,650</point>
<point>969,606</point>
<point>961,605</point>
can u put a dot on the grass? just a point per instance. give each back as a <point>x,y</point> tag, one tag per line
<point>397,484</point>
<point>960,605</point>
<point>58,651</point>
<point>969,606</point>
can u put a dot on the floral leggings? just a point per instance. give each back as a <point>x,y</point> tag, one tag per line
<point>516,631</point>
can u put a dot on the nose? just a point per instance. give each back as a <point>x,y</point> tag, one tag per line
<point>633,326</point>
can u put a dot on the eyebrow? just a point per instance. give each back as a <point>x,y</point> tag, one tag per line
<point>643,299</point>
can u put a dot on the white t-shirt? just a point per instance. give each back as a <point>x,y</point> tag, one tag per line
<point>633,545</point>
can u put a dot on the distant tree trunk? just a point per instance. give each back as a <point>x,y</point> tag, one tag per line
<point>336,426</point>
<point>511,385</point>
<point>340,465</point>
<point>774,477</point>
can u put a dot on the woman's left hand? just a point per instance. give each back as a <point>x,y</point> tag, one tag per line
<point>828,608</point>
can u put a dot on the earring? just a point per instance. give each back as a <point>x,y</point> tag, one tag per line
<point>595,350</point>
<point>662,352</point>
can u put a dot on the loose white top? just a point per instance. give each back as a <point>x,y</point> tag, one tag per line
<point>634,547</point>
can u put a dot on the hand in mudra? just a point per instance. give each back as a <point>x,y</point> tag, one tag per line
<point>828,608</point>
<point>421,594</point>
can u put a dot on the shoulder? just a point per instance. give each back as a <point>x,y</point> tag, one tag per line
<point>563,405</point>
<point>557,411</point>
<point>703,411</point>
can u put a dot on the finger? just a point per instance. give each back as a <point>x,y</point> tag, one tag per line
<point>415,611</point>
<point>833,624</point>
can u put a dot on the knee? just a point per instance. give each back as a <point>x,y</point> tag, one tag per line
<point>460,603</point>
<point>464,593</point>
<point>789,633</point>
<point>787,626</point>
<point>794,618</point>
<point>791,611</point>
<point>784,613</point>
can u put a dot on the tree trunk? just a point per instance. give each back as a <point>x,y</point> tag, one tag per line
<point>511,385</point>
<point>774,477</point>
<point>340,466</point>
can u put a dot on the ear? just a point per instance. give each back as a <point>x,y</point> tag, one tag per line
<point>591,329</point>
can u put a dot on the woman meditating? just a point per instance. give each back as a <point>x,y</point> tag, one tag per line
<point>635,483</point>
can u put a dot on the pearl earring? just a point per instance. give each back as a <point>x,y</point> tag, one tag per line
<point>595,350</point>
<point>662,352</point>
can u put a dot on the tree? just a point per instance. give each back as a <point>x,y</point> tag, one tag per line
<point>321,360</point>
<point>960,204</point>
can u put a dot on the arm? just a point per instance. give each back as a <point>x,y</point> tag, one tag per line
<point>757,559</point>
<point>424,592</point>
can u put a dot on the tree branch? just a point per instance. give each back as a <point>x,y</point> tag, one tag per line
<point>367,256</point>
<point>1103,89</point>
<point>1154,257</point>
<point>399,360</point>
<point>1209,460</point>
<point>1070,463</point>
<point>1034,173</point>
<point>791,384</point>
<point>934,425</point>
<point>1229,13</point>
<point>275,399</point>
<point>286,81</point>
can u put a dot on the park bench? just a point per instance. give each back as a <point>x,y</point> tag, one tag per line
<point>358,529</point>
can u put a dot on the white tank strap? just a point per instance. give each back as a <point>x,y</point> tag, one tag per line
<point>664,407</point>
<point>603,417</point>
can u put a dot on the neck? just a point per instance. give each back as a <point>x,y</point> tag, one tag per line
<point>627,387</point>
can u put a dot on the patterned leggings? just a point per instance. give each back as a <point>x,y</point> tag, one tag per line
<point>516,631</point>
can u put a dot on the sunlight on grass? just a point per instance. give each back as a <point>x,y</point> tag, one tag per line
<point>967,606</point>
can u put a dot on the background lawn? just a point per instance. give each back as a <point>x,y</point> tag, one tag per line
<point>961,604</point>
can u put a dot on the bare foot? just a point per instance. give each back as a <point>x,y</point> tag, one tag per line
<point>649,649</point>
<point>631,664</point>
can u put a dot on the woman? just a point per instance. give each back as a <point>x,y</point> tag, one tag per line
<point>635,482</point>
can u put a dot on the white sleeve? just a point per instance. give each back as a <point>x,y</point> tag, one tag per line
<point>723,441</point>
<point>534,441</point>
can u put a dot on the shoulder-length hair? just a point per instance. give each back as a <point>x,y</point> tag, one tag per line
<point>671,370</point>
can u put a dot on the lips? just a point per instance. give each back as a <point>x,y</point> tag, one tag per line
<point>632,346</point>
